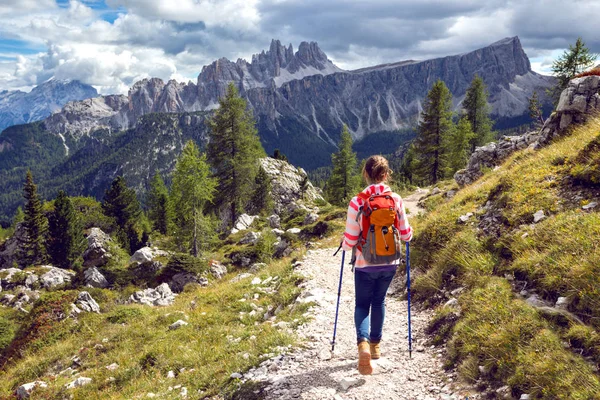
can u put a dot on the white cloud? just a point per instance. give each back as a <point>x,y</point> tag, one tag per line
<point>174,39</point>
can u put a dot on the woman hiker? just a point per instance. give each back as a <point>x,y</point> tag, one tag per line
<point>372,279</point>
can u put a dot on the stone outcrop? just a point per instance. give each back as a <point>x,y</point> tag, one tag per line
<point>55,277</point>
<point>286,184</point>
<point>93,278</point>
<point>577,102</point>
<point>178,281</point>
<point>10,250</point>
<point>160,296</point>
<point>146,254</point>
<point>96,254</point>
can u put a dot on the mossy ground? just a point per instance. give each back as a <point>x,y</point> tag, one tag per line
<point>515,343</point>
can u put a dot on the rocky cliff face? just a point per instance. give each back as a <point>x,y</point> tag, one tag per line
<point>577,102</point>
<point>17,107</point>
<point>301,99</point>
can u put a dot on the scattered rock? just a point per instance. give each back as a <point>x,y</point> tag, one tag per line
<point>450,193</point>
<point>87,303</point>
<point>310,218</point>
<point>255,268</point>
<point>283,249</point>
<point>435,191</point>
<point>218,270</point>
<point>55,277</point>
<point>464,218</point>
<point>96,254</point>
<point>538,216</point>
<point>142,255</point>
<point>562,303</point>
<point>589,206</point>
<point>160,296</point>
<point>82,381</point>
<point>178,281</point>
<point>236,375</point>
<point>241,276</point>
<point>294,231</point>
<point>274,221</point>
<point>346,383</point>
<point>256,281</point>
<point>451,303</point>
<point>250,238</point>
<point>177,324</point>
<point>524,396</point>
<point>93,278</point>
<point>535,301</point>
<point>243,222</point>
<point>24,391</point>
<point>112,366</point>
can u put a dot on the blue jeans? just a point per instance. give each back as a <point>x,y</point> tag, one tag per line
<point>370,288</point>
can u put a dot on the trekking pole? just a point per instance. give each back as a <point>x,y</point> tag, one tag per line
<point>408,287</point>
<point>337,308</point>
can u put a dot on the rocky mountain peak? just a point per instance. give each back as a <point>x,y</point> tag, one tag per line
<point>17,107</point>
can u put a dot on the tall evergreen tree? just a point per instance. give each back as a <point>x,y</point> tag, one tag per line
<point>344,181</point>
<point>36,224</point>
<point>430,146</point>
<point>121,203</point>
<point>233,150</point>
<point>477,112</point>
<point>160,211</point>
<point>572,62</point>
<point>262,201</point>
<point>65,233</point>
<point>193,187</point>
<point>407,164</point>
<point>460,138</point>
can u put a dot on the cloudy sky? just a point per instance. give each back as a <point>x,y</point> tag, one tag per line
<point>113,43</point>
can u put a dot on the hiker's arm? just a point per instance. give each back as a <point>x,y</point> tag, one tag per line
<point>402,224</point>
<point>352,227</point>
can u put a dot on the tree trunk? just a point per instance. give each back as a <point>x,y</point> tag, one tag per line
<point>195,240</point>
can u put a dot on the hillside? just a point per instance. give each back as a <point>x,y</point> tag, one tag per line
<point>512,260</point>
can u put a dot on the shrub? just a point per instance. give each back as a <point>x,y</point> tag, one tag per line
<point>265,246</point>
<point>182,262</point>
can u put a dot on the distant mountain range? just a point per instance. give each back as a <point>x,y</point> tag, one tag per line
<point>17,107</point>
<point>300,100</point>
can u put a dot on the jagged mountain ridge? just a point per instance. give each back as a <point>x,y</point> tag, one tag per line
<point>303,97</point>
<point>17,107</point>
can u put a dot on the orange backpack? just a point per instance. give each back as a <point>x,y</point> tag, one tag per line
<point>379,239</point>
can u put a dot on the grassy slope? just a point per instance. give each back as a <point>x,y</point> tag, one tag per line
<point>515,343</point>
<point>217,342</point>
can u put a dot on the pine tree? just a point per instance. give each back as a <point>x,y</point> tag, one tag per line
<point>279,155</point>
<point>460,138</point>
<point>344,180</point>
<point>18,218</point>
<point>233,150</point>
<point>572,62</point>
<point>65,233</point>
<point>477,112</point>
<point>121,203</point>
<point>407,164</point>
<point>36,224</point>
<point>160,211</point>
<point>193,187</point>
<point>262,201</point>
<point>433,134</point>
<point>535,110</point>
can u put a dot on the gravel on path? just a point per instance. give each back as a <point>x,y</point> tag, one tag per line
<point>313,372</point>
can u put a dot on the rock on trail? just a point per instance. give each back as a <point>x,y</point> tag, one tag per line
<point>312,372</point>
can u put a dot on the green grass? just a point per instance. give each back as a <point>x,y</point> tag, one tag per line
<point>559,256</point>
<point>138,339</point>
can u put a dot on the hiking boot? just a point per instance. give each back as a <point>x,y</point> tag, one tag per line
<point>375,351</point>
<point>364,359</point>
